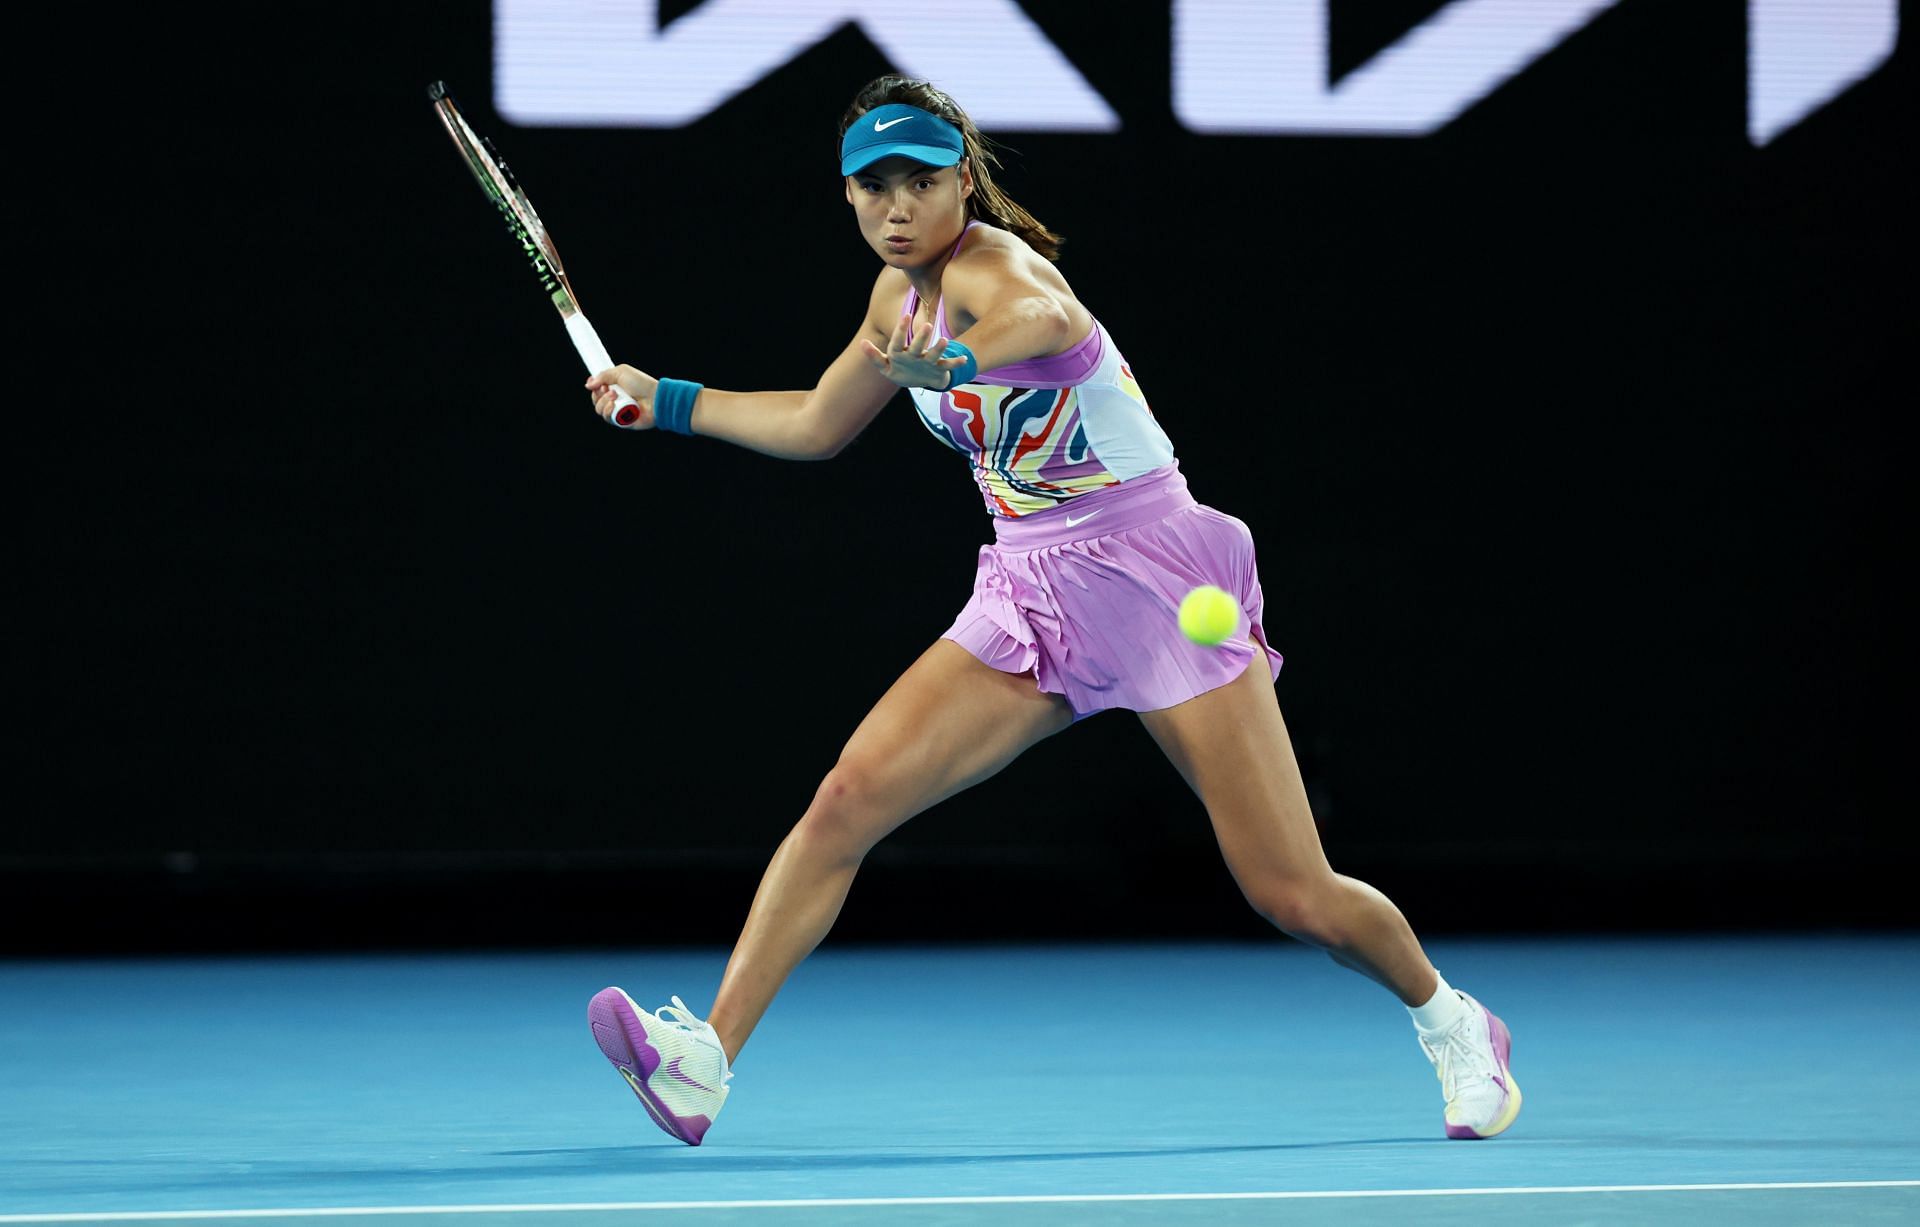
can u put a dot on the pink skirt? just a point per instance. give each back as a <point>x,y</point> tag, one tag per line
<point>1086,597</point>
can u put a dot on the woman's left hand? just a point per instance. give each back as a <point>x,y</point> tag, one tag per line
<point>910,361</point>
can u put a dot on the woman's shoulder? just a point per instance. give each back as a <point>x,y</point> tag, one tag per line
<point>992,258</point>
<point>891,288</point>
<point>888,297</point>
<point>891,283</point>
<point>987,243</point>
<point>993,253</point>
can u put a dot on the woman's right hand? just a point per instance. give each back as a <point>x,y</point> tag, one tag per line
<point>636,383</point>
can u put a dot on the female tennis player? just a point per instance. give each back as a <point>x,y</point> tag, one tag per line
<point>1074,608</point>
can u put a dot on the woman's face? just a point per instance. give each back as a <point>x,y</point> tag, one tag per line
<point>910,214</point>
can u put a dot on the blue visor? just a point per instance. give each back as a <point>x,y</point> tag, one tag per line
<point>899,130</point>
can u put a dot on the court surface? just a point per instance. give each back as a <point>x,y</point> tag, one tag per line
<point>1667,1080</point>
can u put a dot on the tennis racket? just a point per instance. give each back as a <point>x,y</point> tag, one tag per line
<point>490,169</point>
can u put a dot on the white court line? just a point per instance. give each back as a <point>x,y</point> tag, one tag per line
<point>1009,1200</point>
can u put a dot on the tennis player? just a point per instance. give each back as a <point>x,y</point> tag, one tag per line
<point>1074,608</point>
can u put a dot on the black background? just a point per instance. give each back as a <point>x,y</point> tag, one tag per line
<point>1566,435</point>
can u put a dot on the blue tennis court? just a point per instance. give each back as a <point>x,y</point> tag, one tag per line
<point>1759,1080</point>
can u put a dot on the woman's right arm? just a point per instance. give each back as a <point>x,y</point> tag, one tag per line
<point>813,425</point>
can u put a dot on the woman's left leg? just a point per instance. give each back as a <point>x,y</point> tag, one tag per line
<point>1231,745</point>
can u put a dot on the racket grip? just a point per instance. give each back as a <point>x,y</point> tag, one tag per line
<point>587,343</point>
<point>625,411</point>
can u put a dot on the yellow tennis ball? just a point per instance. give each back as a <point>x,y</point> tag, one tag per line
<point>1209,616</point>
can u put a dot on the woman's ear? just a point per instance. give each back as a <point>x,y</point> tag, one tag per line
<point>966,178</point>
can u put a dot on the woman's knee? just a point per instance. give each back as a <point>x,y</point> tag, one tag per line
<point>1303,909</point>
<point>847,816</point>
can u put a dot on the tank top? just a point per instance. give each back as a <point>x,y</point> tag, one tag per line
<point>1043,432</point>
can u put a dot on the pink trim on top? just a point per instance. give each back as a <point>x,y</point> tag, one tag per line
<point>1064,370</point>
<point>1067,370</point>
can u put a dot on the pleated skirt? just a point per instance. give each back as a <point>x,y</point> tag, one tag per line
<point>1086,597</point>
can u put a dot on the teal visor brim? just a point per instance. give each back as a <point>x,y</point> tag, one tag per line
<point>926,155</point>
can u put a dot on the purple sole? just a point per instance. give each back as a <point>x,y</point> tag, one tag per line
<point>1502,1052</point>
<point>622,1038</point>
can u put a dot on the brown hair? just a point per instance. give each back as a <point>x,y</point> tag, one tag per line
<point>988,202</point>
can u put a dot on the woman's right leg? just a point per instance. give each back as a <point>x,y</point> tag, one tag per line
<point>948,723</point>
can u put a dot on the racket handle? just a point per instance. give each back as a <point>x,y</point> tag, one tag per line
<point>587,342</point>
<point>625,411</point>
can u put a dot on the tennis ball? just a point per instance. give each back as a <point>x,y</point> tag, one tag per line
<point>1208,615</point>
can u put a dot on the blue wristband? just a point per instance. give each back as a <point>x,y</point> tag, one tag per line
<point>673,405</point>
<point>965,371</point>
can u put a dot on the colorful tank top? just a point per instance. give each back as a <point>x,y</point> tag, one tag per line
<point>1043,432</point>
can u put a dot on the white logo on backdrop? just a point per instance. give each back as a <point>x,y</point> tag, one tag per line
<point>1802,54</point>
<point>591,62</point>
<point>1262,67</point>
<point>1246,66</point>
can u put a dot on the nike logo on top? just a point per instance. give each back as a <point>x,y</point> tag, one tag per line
<point>1083,519</point>
<point>882,127</point>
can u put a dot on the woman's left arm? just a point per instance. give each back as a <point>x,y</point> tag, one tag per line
<point>1016,315</point>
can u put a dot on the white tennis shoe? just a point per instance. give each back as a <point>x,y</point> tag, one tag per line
<point>673,1061</point>
<point>1470,1059</point>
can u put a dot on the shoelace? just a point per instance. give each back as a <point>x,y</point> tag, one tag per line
<point>1458,1059</point>
<point>679,1016</point>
